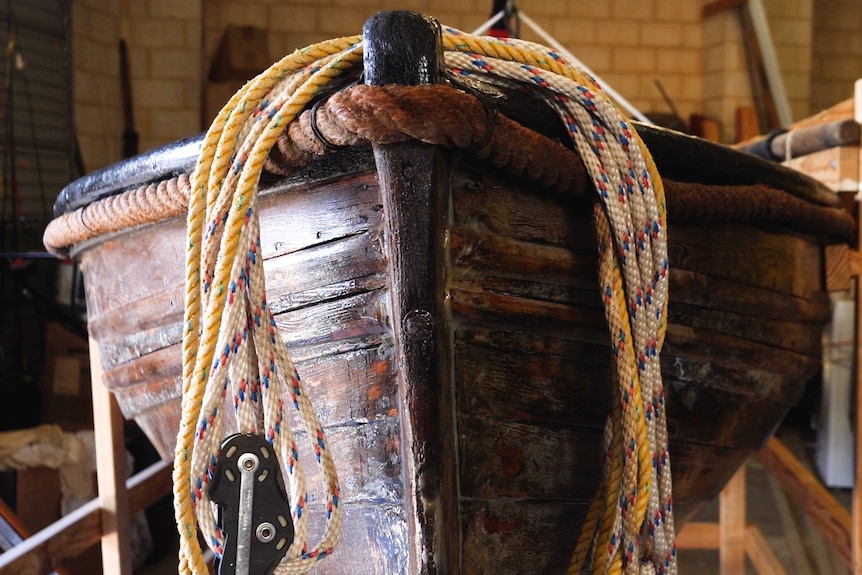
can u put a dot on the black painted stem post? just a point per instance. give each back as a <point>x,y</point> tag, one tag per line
<point>406,48</point>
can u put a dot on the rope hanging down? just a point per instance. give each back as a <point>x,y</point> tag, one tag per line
<point>231,339</point>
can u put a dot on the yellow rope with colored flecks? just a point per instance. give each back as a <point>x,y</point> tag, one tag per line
<point>230,337</point>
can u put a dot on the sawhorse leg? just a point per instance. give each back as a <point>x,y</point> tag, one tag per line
<point>733,538</point>
<point>111,472</point>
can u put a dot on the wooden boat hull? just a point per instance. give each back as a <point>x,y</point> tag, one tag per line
<point>529,359</point>
<point>446,320</point>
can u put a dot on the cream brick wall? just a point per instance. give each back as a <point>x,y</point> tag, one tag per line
<point>727,84</point>
<point>628,43</point>
<point>167,64</point>
<point>837,51</point>
<point>96,81</point>
<point>164,39</point>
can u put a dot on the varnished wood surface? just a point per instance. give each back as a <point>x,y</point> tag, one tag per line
<point>529,355</point>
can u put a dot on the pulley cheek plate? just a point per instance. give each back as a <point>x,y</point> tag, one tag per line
<point>254,511</point>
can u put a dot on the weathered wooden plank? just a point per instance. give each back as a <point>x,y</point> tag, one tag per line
<point>362,315</point>
<point>713,348</point>
<point>524,216</point>
<point>513,536</point>
<point>528,315</point>
<point>739,253</point>
<point>374,541</point>
<point>758,550</point>
<point>501,459</point>
<point>836,167</point>
<point>698,535</point>
<point>786,335</point>
<point>731,528</point>
<point>324,272</point>
<point>300,216</point>
<point>548,388</point>
<point>368,458</point>
<point>721,406</point>
<point>842,263</point>
<point>704,412</point>
<point>481,256</point>
<point>747,255</point>
<point>710,292</point>
<point>110,472</point>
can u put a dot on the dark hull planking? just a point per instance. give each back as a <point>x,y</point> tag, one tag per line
<point>522,366</point>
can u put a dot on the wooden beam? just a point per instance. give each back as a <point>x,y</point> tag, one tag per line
<point>842,264</point>
<point>19,529</point>
<point>855,530</point>
<point>762,557</point>
<point>747,124</point>
<point>809,494</point>
<point>732,525</point>
<point>699,535</point>
<point>111,472</point>
<point>81,529</point>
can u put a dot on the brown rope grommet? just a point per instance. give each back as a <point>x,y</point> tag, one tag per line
<point>315,129</point>
<point>491,113</point>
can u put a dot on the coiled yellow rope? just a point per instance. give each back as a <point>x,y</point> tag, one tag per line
<point>230,338</point>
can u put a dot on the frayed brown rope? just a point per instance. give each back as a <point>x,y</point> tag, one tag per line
<point>444,116</point>
<point>755,204</point>
<point>437,114</point>
<point>145,205</point>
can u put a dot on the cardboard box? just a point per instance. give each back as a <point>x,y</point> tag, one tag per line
<point>242,53</point>
<point>66,393</point>
<point>38,506</point>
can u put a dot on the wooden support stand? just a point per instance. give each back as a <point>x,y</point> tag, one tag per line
<point>732,536</point>
<point>841,169</point>
<point>105,518</point>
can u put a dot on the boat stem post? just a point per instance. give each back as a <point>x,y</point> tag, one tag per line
<point>406,48</point>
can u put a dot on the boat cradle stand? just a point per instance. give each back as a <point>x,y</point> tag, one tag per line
<point>732,536</point>
<point>107,518</point>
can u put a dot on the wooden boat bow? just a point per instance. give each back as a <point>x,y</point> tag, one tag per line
<point>431,263</point>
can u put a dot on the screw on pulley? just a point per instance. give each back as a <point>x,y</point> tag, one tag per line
<point>254,511</point>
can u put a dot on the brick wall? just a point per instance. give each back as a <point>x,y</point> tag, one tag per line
<point>628,43</point>
<point>96,80</point>
<point>164,39</point>
<point>727,83</point>
<point>837,51</point>
<point>166,60</point>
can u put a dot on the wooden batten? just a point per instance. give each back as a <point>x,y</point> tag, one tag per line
<point>78,531</point>
<point>836,167</point>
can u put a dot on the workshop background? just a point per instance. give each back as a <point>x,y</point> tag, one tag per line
<point>64,113</point>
